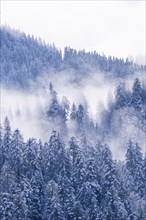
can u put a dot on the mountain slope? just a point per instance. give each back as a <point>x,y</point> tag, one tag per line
<point>24,58</point>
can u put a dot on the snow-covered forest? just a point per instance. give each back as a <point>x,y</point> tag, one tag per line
<point>87,112</point>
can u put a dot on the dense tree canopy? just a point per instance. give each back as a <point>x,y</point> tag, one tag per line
<point>24,58</point>
<point>57,180</point>
<point>72,176</point>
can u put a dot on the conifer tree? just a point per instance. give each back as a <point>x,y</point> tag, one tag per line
<point>7,138</point>
<point>136,100</point>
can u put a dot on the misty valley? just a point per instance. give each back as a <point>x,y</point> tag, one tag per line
<point>72,135</point>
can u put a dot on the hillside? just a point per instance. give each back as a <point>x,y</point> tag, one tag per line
<point>88,112</point>
<point>24,58</point>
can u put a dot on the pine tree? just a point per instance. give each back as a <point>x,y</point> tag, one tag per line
<point>36,203</point>
<point>2,155</point>
<point>78,212</point>
<point>16,149</point>
<point>86,147</point>
<point>130,163</point>
<point>136,100</point>
<point>53,208</point>
<point>78,165</point>
<point>25,199</point>
<point>65,190</point>
<point>55,157</point>
<point>7,207</point>
<point>134,164</point>
<point>89,194</point>
<point>73,114</point>
<point>122,97</point>
<point>29,158</point>
<point>112,205</point>
<point>52,181</point>
<point>1,136</point>
<point>56,113</point>
<point>144,171</point>
<point>80,115</point>
<point>7,138</point>
<point>7,178</point>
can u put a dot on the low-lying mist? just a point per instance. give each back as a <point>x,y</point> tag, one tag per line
<point>26,110</point>
<point>23,108</point>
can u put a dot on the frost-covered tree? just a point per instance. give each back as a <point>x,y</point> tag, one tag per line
<point>53,209</point>
<point>36,203</point>
<point>67,182</point>
<point>134,164</point>
<point>80,114</point>
<point>2,155</point>
<point>137,99</point>
<point>65,190</point>
<point>122,97</point>
<point>16,149</point>
<point>8,178</point>
<point>24,58</point>
<point>73,114</point>
<point>78,165</point>
<point>30,162</point>
<point>86,146</point>
<point>7,138</point>
<point>56,156</point>
<point>89,193</point>
<point>56,113</point>
<point>7,207</point>
<point>112,204</point>
<point>25,199</point>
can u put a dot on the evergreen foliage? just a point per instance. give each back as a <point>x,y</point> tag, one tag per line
<point>24,58</point>
<point>73,175</point>
<point>54,181</point>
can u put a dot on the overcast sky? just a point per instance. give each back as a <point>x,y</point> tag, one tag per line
<point>114,28</point>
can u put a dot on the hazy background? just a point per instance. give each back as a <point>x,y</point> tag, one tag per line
<point>24,108</point>
<point>116,28</point>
